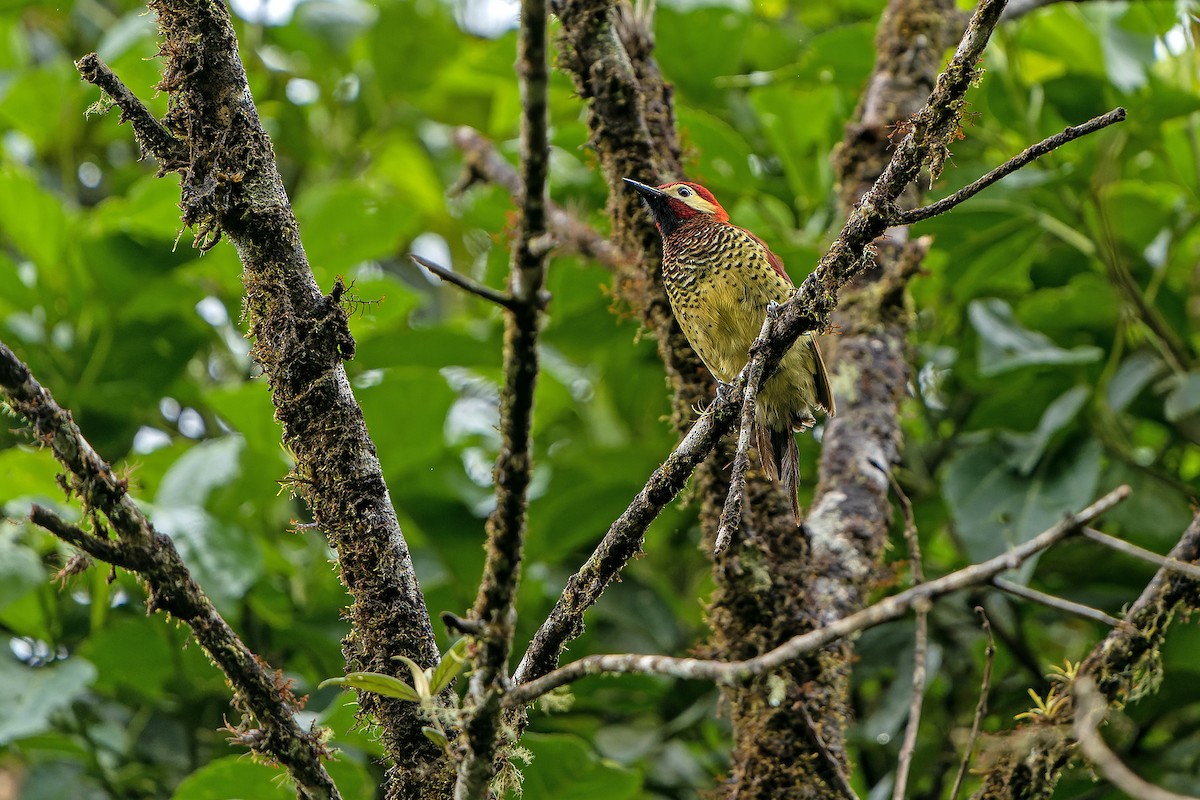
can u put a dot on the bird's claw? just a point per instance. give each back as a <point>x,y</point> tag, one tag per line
<point>725,392</point>
<point>773,309</point>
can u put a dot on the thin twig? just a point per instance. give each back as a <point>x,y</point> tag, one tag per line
<point>843,783</point>
<point>170,152</point>
<point>494,606</point>
<point>920,645</point>
<point>1089,713</point>
<point>141,548</point>
<point>985,686</point>
<point>732,673</point>
<point>1122,546</point>
<point>101,548</point>
<point>1119,664</point>
<point>731,514</point>
<point>503,299</point>
<point>1050,601</point>
<point>1012,165</point>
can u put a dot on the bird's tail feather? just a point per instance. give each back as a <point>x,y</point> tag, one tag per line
<point>781,461</point>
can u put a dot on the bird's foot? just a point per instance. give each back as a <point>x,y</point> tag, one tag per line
<point>773,309</point>
<point>725,392</point>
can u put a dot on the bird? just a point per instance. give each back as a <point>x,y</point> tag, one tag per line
<point>721,280</point>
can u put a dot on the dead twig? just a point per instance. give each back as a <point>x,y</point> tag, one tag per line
<point>920,645</point>
<point>502,299</point>
<point>989,656</point>
<point>732,673</point>
<point>1012,165</point>
<point>1090,709</point>
<point>1050,601</point>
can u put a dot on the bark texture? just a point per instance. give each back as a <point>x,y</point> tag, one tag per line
<point>231,187</point>
<point>789,731</point>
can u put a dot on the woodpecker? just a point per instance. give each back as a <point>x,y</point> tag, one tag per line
<point>720,280</point>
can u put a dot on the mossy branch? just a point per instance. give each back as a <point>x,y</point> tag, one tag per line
<point>261,693</point>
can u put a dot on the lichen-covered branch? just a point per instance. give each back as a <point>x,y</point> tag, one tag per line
<point>1122,666</point>
<point>170,153</point>
<point>808,310</point>
<point>731,513</point>
<point>494,610</point>
<point>1030,154</point>
<point>231,188</point>
<point>260,693</point>
<point>731,673</point>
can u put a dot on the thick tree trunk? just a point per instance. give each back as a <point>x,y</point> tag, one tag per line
<point>789,730</point>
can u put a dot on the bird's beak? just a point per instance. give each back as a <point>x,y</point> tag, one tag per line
<point>649,192</point>
<point>658,203</point>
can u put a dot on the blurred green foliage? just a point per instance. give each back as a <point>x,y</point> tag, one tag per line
<point>1054,357</point>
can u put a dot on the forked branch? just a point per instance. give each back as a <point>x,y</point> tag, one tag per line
<point>140,548</point>
<point>925,144</point>
<point>736,672</point>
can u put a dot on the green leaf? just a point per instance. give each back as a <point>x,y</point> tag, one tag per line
<point>420,679</point>
<point>21,569</point>
<point>1028,448</point>
<point>1135,372</point>
<point>452,663</point>
<point>375,682</point>
<point>564,767</point>
<point>205,467</point>
<point>1005,345</point>
<point>1184,399</point>
<point>235,778</point>
<point>31,697</point>
<point>435,736</point>
<point>34,221</point>
<point>996,508</point>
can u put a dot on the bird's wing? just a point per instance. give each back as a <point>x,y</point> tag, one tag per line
<point>775,261</point>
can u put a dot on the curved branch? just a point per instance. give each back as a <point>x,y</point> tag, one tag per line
<point>141,549</point>
<point>1027,156</point>
<point>1090,709</point>
<point>730,673</point>
<point>807,310</point>
<point>494,605</point>
<point>232,188</point>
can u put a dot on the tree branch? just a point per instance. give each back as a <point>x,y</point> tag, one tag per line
<point>1090,709</point>
<point>730,673</point>
<point>494,609</point>
<point>1118,665</point>
<point>731,515</point>
<point>502,299</point>
<point>920,647</point>
<point>1122,546</point>
<point>140,548</point>
<point>807,310</point>
<point>989,657</point>
<point>1029,155</point>
<point>1050,601</point>
<point>170,152</point>
<point>232,187</point>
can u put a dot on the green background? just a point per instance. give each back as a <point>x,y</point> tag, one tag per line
<point>1039,378</point>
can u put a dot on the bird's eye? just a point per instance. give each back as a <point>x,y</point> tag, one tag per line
<point>684,191</point>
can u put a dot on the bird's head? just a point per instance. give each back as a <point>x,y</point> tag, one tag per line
<point>672,204</point>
